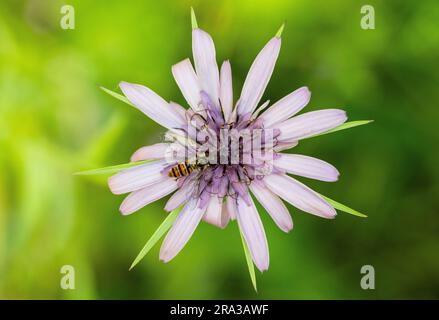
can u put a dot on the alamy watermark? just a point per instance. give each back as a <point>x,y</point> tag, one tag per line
<point>368,279</point>
<point>368,19</point>
<point>68,17</point>
<point>205,145</point>
<point>67,281</point>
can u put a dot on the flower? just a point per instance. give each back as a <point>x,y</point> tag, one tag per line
<point>218,154</point>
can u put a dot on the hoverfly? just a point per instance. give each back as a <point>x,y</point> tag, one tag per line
<point>193,158</point>
<point>181,169</point>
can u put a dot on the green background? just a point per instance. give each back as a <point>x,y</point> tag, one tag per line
<point>54,120</point>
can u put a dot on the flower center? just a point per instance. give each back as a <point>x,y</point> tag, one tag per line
<point>226,156</point>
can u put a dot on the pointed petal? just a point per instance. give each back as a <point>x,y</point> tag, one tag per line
<point>193,19</point>
<point>178,110</point>
<point>205,63</point>
<point>180,196</point>
<point>140,198</point>
<point>286,107</point>
<point>180,233</point>
<point>305,166</point>
<point>226,89</point>
<point>311,123</point>
<point>231,207</point>
<point>253,232</point>
<point>281,29</point>
<point>260,109</point>
<point>299,195</point>
<point>153,152</point>
<point>225,210</point>
<point>187,81</point>
<point>152,105</point>
<point>137,177</point>
<point>258,76</point>
<point>274,206</point>
<point>285,145</point>
<point>215,214</point>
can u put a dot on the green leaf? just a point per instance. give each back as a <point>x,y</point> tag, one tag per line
<point>165,226</point>
<point>346,125</point>
<point>251,267</point>
<point>344,208</point>
<point>117,96</point>
<point>111,169</point>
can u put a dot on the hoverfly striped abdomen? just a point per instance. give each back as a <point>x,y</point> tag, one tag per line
<point>181,170</point>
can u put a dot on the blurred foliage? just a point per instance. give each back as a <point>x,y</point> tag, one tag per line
<point>54,120</point>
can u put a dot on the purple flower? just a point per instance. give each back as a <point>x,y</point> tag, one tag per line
<point>218,153</point>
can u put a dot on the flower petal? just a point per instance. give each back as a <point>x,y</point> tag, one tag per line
<point>299,195</point>
<point>140,198</point>
<point>311,123</point>
<point>153,152</point>
<point>274,206</point>
<point>286,107</point>
<point>152,105</point>
<point>307,167</point>
<point>178,110</point>
<point>231,207</point>
<point>253,232</point>
<point>180,196</point>
<point>187,81</point>
<point>285,145</point>
<point>137,177</point>
<point>260,109</point>
<point>180,233</point>
<point>215,214</point>
<point>226,90</point>
<point>205,63</point>
<point>258,76</point>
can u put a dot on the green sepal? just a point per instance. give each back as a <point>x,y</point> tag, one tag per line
<point>117,96</point>
<point>111,169</point>
<point>344,126</point>
<point>342,207</point>
<point>250,265</point>
<point>161,230</point>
